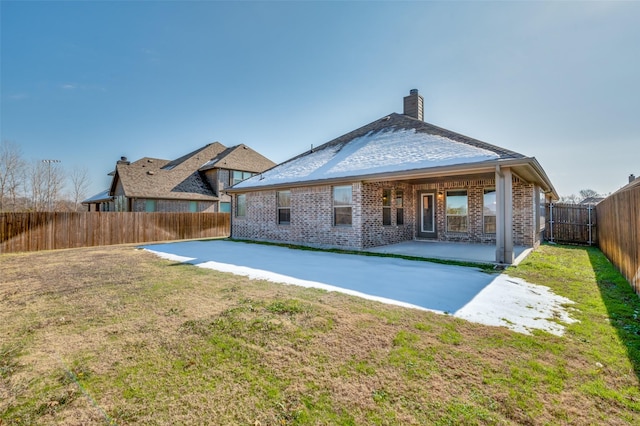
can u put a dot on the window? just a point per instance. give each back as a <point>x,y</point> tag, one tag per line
<point>238,176</point>
<point>342,205</point>
<point>399,208</point>
<point>120,203</point>
<point>489,211</point>
<point>193,206</point>
<point>457,211</point>
<point>225,207</point>
<point>386,207</point>
<point>150,205</point>
<point>284,207</point>
<point>241,205</point>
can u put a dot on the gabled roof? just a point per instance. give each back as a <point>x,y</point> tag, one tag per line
<point>239,157</point>
<point>393,147</point>
<point>164,179</point>
<point>183,178</point>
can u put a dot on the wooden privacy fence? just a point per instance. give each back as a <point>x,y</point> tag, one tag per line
<point>619,222</point>
<point>571,224</point>
<point>56,230</point>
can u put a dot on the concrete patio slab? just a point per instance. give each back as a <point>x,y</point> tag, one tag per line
<point>466,252</point>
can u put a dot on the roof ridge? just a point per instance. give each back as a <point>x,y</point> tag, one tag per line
<point>182,159</point>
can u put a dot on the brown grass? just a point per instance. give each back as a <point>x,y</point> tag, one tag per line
<point>116,336</point>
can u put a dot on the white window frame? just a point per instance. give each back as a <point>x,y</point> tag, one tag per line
<point>465,215</point>
<point>280,208</point>
<point>241,205</point>
<point>484,215</point>
<point>342,204</point>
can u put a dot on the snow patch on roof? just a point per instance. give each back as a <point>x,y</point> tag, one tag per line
<point>375,152</point>
<point>101,196</point>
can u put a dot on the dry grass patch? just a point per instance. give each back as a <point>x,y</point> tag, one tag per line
<point>117,336</point>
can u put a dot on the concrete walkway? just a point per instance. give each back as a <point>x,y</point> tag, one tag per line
<point>467,252</point>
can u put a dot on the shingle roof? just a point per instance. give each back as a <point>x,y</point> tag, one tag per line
<point>240,157</point>
<point>183,178</point>
<point>393,143</point>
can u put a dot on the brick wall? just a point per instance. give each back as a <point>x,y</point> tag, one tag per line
<point>524,214</point>
<point>312,214</point>
<point>475,204</point>
<point>374,232</point>
<point>311,218</point>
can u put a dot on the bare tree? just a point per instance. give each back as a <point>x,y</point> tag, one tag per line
<point>79,178</point>
<point>569,199</point>
<point>12,175</point>
<point>37,182</point>
<point>46,180</point>
<point>587,193</point>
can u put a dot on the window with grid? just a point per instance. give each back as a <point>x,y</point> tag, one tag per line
<point>386,207</point>
<point>489,211</point>
<point>284,207</point>
<point>342,196</point>
<point>457,211</point>
<point>399,208</point>
<point>238,176</point>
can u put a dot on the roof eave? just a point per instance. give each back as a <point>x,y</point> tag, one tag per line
<point>441,171</point>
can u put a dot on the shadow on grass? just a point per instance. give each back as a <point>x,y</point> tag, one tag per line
<point>622,303</point>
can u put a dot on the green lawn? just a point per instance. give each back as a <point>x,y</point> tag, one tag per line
<point>117,336</point>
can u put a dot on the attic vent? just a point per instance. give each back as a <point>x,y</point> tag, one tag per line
<point>151,172</point>
<point>149,161</point>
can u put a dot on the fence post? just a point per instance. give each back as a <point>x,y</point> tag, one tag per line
<point>590,242</point>
<point>551,220</point>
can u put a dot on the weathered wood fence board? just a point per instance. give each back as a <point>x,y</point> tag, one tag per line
<point>56,230</point>
<point>571,224</point>
<point>619,222</point>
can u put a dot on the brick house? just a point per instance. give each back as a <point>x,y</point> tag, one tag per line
<point>396,179</point>
<point>195,182</point>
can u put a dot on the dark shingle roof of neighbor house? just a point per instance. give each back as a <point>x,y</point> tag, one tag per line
<point>240,157</point>
<point>392,146</point>
<point>182,178</point>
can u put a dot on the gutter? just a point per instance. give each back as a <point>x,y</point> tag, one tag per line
<point>441,171</point>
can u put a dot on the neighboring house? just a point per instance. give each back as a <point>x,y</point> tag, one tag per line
<point>396,179</point>
<point>591,201</point>
<point>195,182</point>
<point>101,202</point>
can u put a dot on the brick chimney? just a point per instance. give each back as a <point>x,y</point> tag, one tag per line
<point>414,105</point>
<point>631,178</point>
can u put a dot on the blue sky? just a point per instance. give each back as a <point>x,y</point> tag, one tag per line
<point>88,82</point>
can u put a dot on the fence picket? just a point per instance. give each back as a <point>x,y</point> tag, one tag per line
<point>54,230</point>
<point>619,222</point>
<point>571,224</point>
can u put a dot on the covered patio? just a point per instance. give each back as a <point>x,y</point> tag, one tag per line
<point>466,252</point>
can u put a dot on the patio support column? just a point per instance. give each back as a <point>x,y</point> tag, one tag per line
<point>504,215</point>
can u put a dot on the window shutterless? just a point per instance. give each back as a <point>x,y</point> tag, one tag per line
<point>284,207</point>
<point>457,211</point>
<point>342,200</point>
